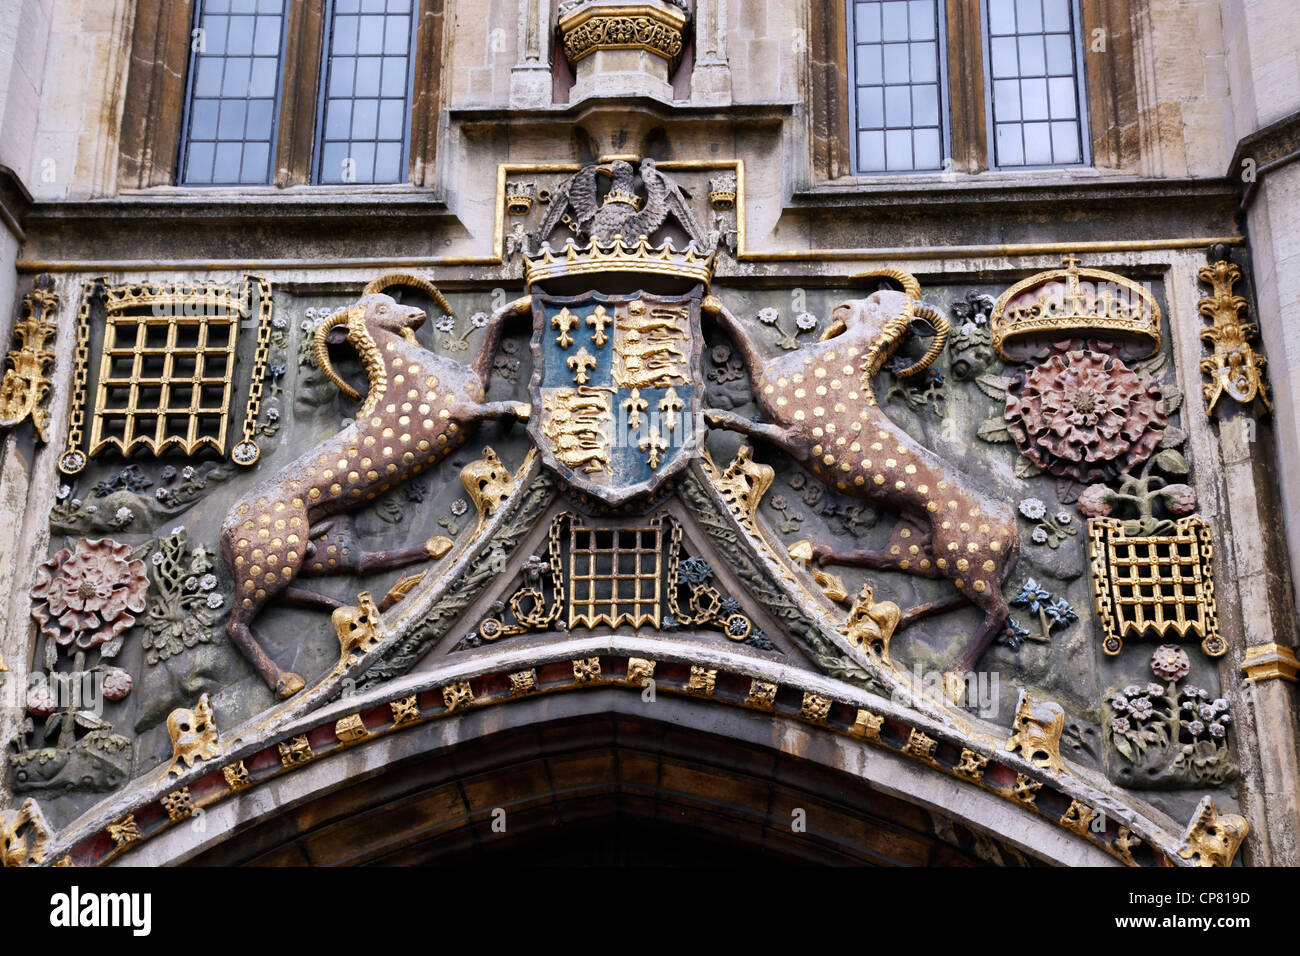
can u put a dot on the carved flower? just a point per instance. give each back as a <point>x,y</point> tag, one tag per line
<point>1170,662</point>
<point>1140,708</point>
<point>41,701</point>
<point>695,570</point>
<point>1216,730</point>
<point>1039,535</point>
<point>1196,728</point>
<point>1120,725</point>
<point>479,319</point>
<point>1033,508</point>
<point>445,323</point>
<point>805,321</point>
<point>117,683</point>
<point>1082,413</point>
<point>768,316</point>
<point>90,594</point>
<point>459,507</point>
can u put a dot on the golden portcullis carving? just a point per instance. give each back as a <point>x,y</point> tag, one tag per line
<point>1158,586</point>
<point>27,379</point>
<point>166,371</point>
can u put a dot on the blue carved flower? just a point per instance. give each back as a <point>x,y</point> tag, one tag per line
<point>695,570</point>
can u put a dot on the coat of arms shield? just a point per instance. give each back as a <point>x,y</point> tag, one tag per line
<point>616,389</point>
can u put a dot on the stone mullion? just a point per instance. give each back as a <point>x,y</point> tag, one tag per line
<point>966,92</point>
<point>426,102</point>
<point>155,93</point>
<point>296,139</point>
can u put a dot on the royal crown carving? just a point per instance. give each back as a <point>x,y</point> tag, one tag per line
<point>1076,302</point>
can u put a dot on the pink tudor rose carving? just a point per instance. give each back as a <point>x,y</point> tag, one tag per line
<point>90,594</point>
<point>1082,413</point>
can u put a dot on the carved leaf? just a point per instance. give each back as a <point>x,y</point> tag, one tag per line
<point>994,386</point>
<point>994,430</point>
<point>1124,747</point>
<point>1154,365</point>
<point>1026,468</point>
<point>1172,462</point>
<point>1173,398</point>
<point>1173,437</point>
<point>1068,490</point>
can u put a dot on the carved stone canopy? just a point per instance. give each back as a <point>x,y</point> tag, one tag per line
<point>623,47</point>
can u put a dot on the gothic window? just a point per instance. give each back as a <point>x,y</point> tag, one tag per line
<point>956,85</point>
<point>273,92</point>
<point>366,89</point>
<point>233,92</point>
<point>1035,88</point>
<point>897,78</point>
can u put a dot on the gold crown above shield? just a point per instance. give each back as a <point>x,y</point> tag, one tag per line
<point>616,255</point>
<point>1075,301</point>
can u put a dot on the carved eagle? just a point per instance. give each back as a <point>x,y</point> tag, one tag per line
<point>575,204</point>
<point>632,207</point>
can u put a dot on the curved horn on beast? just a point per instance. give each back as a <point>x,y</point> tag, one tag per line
<point>321,348</point>
<point>935,318</point>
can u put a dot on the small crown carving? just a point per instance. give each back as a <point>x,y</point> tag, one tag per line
<point>1075,301</point>
<point>616,255</point>
<point>618,195</point>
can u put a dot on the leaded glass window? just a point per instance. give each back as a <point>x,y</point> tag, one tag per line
<point>897,85</point>
<point>1034,82</point>
<point>233,92</point>
<point>366,92</point>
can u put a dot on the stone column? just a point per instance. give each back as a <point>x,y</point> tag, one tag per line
<point>1237,490</point>
<point>530,77</point>
<point>711,78</point>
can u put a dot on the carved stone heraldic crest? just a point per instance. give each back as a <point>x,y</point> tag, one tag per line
<point>614,384</point>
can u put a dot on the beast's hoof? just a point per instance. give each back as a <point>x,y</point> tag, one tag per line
<point>288,685</point>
